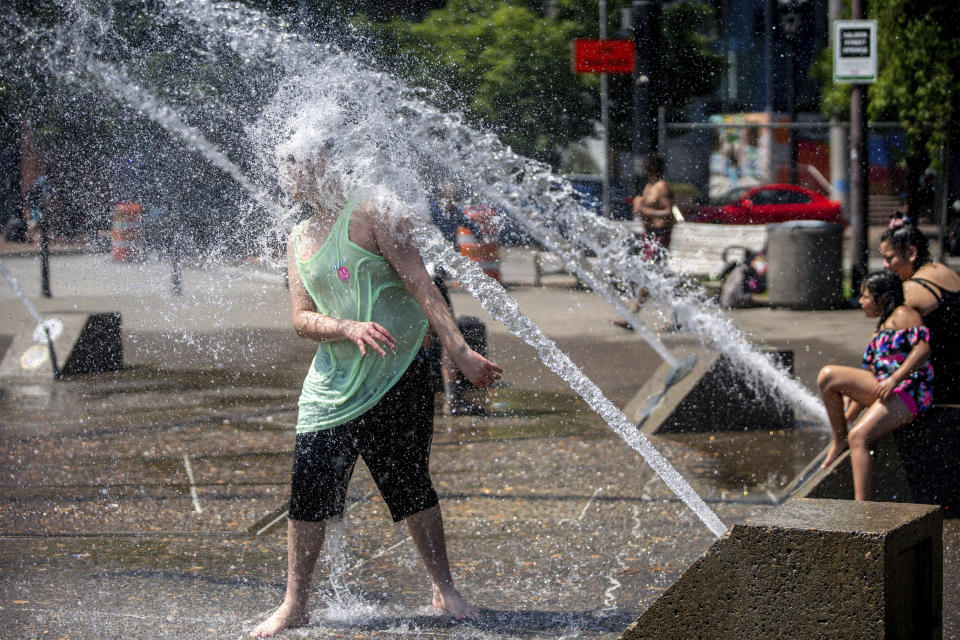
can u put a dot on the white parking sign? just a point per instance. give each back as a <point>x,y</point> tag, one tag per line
<point>854,51</point>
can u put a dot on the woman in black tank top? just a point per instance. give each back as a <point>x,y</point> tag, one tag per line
<point>933,289</point>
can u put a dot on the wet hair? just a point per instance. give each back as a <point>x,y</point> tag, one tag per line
<point>902,234</point>
<point>653,163</point>
<point>887,291</point>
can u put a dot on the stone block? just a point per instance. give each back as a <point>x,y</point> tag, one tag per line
<point>88,343</point>
<point>836,481</point>
<point>811,569</point>
<point>713,396</point>
<point>929,449</point>
<point>916,464</point>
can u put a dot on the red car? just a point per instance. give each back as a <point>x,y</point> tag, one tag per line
<point>773,203</point>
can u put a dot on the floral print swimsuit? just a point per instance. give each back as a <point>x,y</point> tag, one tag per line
<point>887,350</point>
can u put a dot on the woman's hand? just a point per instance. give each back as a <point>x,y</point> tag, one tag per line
<point>368,334</point>
<point>477,369</point>
<point>885,388</point>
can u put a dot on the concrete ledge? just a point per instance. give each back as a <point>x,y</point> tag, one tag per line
<point>713,396</point>
<point>916,464</point>
<point>88,343</point>
<point>836,481</point>
<point>811,569</point>
<point>929,450</point>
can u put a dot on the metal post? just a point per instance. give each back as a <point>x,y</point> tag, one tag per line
<point>44,225</point>
<point>605,118</point>
<point>177,275</point>
<point>646,76</point>
<point>768,14</point>
<point>838,138</point>
<point>661,127</point>
<point>859,172</point>
<point>176,239</point>
<point>790,22</point>
<point>792,134</point>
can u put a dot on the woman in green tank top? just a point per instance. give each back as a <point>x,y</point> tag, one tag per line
<point>359,288</point>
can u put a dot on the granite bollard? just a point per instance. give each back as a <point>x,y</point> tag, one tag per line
<point>811,569</point>
<point>712,396</point>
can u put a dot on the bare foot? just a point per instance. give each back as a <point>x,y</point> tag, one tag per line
<point>285,617</point>
<point>835,450</point>
<point>454,604</point>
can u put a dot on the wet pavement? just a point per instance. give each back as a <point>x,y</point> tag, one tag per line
<point>127,499</point>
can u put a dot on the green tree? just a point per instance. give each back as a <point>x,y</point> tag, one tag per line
<point>919,69</point>
<point>919,72</point>
<point>503,66</point>
<point>506,65</point>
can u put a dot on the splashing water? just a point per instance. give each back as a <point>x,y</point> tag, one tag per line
<point>12,281</point>
<point>409,137</point>
<point>413,140</point>
<point>388,144</point>
<point>340,125</point>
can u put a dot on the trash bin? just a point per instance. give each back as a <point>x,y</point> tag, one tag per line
<point>805,264</point>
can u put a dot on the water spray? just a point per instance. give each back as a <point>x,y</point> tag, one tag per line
<point>46,330</point>
<point>504,188</point>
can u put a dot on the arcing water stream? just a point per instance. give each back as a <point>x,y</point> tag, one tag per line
<point>308,130</point>
<point>390,145</point>
<point>415,142</point>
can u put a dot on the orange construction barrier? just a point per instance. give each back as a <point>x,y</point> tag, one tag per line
<point>486,249</point>
<point>127,233</point>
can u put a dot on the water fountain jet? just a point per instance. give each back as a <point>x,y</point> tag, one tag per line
<point>490,294</point>
<point>46,330</point>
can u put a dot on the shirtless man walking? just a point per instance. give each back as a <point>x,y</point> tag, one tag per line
<point>653,207</point>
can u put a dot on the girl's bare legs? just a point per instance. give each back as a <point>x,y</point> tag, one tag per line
<point>304,543</point>
<point>835,382</point>
<point>881,419</point>
<point>426,529</point>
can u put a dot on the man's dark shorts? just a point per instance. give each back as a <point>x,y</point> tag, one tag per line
<point>393,438</point>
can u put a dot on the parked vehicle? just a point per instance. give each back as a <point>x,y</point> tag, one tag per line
<point>772,203</point>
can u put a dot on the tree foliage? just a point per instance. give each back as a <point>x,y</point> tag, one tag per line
<point>507,65</point>
<point>919,72</point>
<point>503,66</point>
<point>919,68</point>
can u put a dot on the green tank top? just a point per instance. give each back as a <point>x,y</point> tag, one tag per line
<point>345,280</point>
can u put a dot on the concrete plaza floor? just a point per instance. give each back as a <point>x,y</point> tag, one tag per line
<point>127,498</point>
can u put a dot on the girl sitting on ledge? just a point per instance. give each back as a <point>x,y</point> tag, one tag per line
<point>894,386</point>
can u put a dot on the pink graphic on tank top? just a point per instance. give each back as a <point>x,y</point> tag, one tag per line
<point>340,268</point>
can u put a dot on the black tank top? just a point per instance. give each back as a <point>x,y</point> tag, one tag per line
<point>944,325</point>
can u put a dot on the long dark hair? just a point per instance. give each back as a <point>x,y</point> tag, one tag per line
<point>887,291</point>
<point>902,235</point>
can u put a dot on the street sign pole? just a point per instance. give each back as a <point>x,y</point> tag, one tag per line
<point>605,119</point>
<point>603,56</point>
<point>646,75</point>
<point>855,61</point>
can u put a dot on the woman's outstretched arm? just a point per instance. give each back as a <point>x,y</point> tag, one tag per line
<point>394,241</point>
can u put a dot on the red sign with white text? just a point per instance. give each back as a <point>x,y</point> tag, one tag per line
<point>603,56</point>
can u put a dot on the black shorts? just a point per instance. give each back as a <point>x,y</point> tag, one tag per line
<point>393,437</point>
